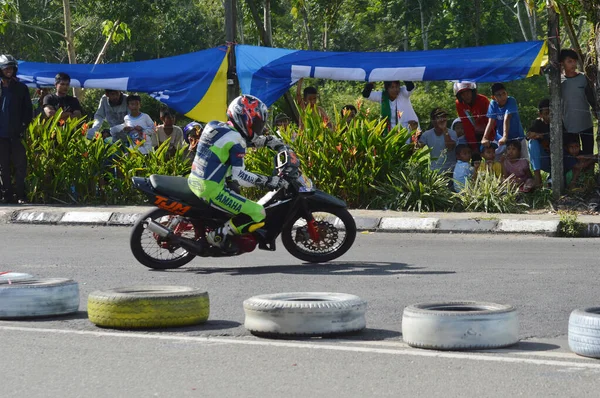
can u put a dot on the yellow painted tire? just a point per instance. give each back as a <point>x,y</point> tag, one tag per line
<point>148,307</point>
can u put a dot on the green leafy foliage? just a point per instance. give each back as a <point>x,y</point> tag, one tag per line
<point>490,194</point>
<point>415,188</point>
<point>348,160</point>
<point>568,226</point>
<point>66,167</point>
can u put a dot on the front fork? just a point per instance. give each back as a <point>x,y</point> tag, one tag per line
<point>311,226</point>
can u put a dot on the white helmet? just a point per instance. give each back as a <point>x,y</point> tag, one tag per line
<point>459,87</point>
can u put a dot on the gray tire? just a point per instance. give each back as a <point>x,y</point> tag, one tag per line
<point>38,298</point>
<point>460,325</point>
<point>584,332</point>
<point>10,277</point>
<point>304,314</point>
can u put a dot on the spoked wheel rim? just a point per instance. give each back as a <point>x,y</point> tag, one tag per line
<point>155,248</point>
<point>328,229</point>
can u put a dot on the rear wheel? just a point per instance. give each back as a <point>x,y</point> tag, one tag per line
<point>331,235</point>
<point>153,251</point>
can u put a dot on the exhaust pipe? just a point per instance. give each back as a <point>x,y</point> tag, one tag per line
<point>190,245</point>
<point>157,229</point>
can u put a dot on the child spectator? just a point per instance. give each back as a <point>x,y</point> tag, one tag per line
<point>191,133</point>
<point>138,126</point>
<point>577,95</point>
<point>458,127</point>
<point>463,170</point>
<point>308,99</point>
<point>517,168</point>
<point>441,140</point>
<point>472,110</point>
<point>539,142</point>
<point>395,102</point>
<point>349,113</point>
<point>168,130</point>
<point>575,162</point>
<point>504,113</point>
<point>489,164</point>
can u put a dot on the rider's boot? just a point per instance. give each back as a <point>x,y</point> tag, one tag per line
<point>219,237</point>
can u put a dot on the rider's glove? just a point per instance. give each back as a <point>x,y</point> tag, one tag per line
<point>275,182</point>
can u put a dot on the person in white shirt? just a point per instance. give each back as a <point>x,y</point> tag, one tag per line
<point>112,108</point>
<point>138,126</point>
<point>395,102</point>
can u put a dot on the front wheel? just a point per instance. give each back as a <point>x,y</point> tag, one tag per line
<point>331,235</point>
<point>152,251</point>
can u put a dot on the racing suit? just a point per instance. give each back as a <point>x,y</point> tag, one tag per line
<point>220,153</point>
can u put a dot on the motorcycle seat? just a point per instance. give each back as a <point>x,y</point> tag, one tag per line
<point>175,187</point>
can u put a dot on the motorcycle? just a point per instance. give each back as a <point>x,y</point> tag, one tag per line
<point>314,226</point>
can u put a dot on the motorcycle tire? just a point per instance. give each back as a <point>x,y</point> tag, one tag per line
<point>137,248</point>
<point>314,254</point>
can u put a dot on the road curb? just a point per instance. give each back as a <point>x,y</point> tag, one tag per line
<point>399,224</point>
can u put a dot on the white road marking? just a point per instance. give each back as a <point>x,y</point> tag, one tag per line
<point>316,346</point>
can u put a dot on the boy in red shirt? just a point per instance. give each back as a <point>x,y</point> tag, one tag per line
<point>472,109</point>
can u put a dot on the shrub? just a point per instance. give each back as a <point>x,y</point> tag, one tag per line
<point>568,226</point>
<point>348,160</point>
<point>416,188</point>
<point>490,194</point>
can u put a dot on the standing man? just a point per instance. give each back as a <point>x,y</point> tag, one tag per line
<point>472,110</point>
<point>16,113</point>
<point>61,99</point>
<point>112,108</point>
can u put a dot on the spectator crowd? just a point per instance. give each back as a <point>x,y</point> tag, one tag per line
<point>485,137</point>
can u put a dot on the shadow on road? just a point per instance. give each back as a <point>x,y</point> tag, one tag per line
<point>53,318</point>
<point>355,268</point>
<point>532,346</point>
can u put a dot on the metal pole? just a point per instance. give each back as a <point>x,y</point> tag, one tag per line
<point>556,138</point>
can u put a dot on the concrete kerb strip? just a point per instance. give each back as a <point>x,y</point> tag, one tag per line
<point>363,222</point>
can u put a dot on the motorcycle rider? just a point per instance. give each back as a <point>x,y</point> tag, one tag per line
<point>221,152</point>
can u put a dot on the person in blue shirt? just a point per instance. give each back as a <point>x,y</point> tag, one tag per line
<point>463,170</point>
<point>504,120</point>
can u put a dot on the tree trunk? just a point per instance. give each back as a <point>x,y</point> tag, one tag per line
<point>77,92</point>
<point>477,21</point>
<point>107,43</point>
<point>518,15</point>
<point>405,30</point>
<point>556,141</point>
<point>571,33</point>
<point>267,24</point>
<point>307,28</point>
<point>325,35</point>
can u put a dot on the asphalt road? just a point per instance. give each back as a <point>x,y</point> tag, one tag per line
<point>545,278</point>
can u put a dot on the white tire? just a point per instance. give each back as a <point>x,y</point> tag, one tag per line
<point>10,277</point>
<point>304,313</point>
<point>38,297</point>
<point>460,325</point>
<point>584,332</point>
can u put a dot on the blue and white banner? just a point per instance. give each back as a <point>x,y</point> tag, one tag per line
<point>268,72</point>
<point>194,84</point>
